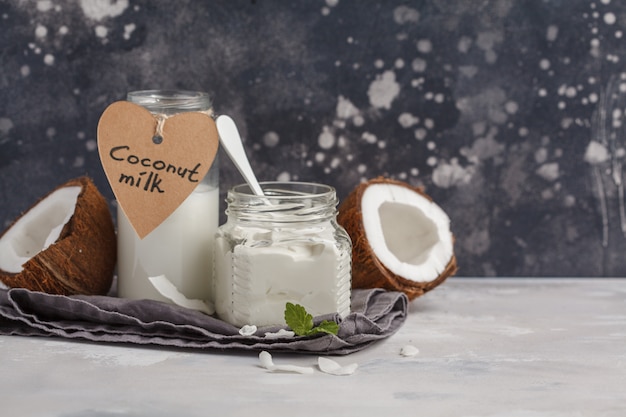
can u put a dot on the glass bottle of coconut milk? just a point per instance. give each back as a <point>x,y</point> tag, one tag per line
<point>283,247</point>
<point>181,248</point>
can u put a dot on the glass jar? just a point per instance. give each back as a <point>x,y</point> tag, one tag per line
<point>283,247</point>
<point>181,248</point>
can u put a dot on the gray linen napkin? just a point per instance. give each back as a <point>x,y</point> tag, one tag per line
<point>376,314</point>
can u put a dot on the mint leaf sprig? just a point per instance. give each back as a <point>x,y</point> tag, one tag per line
<point>301,322</point>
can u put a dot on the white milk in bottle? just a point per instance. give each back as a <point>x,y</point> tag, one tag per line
<point>181,248</point>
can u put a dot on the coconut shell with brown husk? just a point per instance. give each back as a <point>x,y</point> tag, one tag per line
<point>64,244</point>
<point>401,239</point>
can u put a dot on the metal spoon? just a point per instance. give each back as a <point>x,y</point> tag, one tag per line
<point>231,141</point>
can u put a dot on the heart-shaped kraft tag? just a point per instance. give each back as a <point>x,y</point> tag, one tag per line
<point>154,164</point>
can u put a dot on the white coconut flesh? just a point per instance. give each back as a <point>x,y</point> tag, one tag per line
<point>37,229</point>
<point>408,233</point>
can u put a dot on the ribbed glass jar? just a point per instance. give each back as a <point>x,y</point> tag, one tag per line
<point>283,247</point>
<point>181,248</point>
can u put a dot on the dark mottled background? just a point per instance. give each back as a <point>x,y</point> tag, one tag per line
<point>508,112</point>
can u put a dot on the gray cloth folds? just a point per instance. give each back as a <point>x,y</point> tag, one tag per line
<point>376,314</point>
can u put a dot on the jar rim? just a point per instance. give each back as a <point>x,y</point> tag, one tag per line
<point>171,99</point>
<point>286,190</point>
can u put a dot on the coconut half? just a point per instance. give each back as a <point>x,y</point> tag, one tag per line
<point>64,244</point>
<point>401,239</point>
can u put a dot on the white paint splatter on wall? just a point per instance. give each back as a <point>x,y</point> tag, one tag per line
<point>101,9</point>
<point>383,90</point>
<point>474,101</point>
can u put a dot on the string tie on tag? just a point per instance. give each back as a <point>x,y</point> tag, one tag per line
<point>161,118</point>
<point>158,134</point>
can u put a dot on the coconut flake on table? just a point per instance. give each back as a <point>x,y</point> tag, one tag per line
<point>329,366</point>
<point>266,362</point>
<point>409,351</point>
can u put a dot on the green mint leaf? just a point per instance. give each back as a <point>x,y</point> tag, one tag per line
<point>326,326</point>
<point>298,319</point>
<point>301,322</point>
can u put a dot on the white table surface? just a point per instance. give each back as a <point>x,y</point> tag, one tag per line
<point>487,347</point>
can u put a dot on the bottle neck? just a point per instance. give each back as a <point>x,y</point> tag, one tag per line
<point>284,203</point>
<point>166,103</point>
<point>169,102</point>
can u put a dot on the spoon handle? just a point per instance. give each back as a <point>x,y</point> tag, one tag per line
<point>231,141</point>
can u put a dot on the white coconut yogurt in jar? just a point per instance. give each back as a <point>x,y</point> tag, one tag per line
<point>284,247</point>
